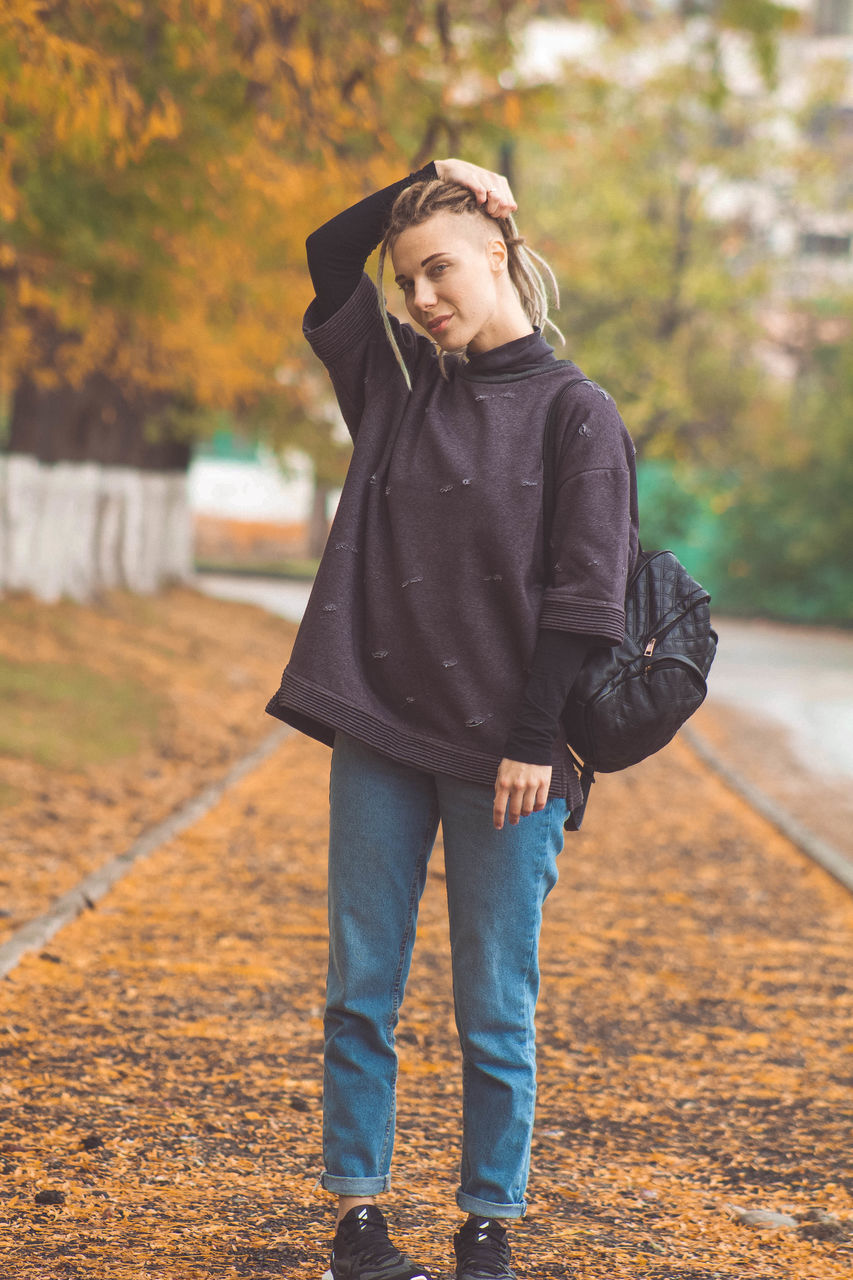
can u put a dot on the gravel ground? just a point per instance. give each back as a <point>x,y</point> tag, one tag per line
<point>160,1086</point>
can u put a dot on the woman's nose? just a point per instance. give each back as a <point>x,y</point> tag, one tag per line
<point>424,295</point>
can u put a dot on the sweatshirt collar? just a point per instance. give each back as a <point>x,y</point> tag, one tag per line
<point>523,355</point>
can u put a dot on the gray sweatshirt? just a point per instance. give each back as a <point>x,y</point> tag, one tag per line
<point>425,611</point>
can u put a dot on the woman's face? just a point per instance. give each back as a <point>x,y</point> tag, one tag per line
<point>450,269</point>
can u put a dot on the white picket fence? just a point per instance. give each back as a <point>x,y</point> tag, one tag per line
<point>74,529</point>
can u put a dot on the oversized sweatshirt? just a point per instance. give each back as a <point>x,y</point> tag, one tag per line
<point>337,253</point>
<point>424,614</point>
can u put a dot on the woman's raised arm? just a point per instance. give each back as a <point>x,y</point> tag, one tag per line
<point>338,250</point>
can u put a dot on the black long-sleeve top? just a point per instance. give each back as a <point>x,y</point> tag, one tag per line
<point>337,253</point>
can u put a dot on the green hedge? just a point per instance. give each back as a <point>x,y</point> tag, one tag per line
<point>774,542</point>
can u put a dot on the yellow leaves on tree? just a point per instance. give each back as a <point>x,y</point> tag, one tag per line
<point>162,164</point>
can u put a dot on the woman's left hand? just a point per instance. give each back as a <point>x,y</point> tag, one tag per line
<point>491,189</point>
<point>524,787</point>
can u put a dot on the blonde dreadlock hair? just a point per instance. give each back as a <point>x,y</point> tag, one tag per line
<point>420,201</point>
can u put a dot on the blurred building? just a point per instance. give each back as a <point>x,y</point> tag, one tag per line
<point>808,240</point>
<point>247,508</point>
<point>811,239</point>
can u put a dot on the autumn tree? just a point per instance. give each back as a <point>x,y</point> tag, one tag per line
<point>94,192</point>
<point>161,167</point>
<point>643,171</point>
<point>623,159</point>
<point>785,541</point>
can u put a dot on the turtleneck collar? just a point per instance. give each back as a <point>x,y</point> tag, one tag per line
<point>527,352</point>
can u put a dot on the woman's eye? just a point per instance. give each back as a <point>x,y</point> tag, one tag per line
<point>439,267</point>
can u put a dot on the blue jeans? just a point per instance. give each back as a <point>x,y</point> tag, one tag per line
<point>384,819</point>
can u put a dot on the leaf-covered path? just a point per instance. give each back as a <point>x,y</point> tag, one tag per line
<point>161,1060</point>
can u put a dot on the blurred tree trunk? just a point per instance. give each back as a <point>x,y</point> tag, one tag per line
<point>92,499</point>
<point>318,520</point>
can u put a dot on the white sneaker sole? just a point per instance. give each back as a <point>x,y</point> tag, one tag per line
<point>328,1276</point>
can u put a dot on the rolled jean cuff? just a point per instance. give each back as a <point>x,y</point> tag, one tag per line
<point>486,1209</point>
<point>355,1186</point>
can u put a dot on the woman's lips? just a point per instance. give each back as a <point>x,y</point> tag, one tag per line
<point>436,325</point>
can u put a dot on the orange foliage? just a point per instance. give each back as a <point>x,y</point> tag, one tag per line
<point>161,166</point>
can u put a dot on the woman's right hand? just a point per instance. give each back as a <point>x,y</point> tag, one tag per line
<point>491,189</point>
<point>523,788</point>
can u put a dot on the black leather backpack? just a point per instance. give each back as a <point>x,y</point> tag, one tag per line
<point>629,700</point>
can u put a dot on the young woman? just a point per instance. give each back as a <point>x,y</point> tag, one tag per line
<point>435,655</point>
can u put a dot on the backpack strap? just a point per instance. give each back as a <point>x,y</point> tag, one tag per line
<point>587,776</point>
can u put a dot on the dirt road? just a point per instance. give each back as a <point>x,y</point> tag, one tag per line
<point>161,1059</point>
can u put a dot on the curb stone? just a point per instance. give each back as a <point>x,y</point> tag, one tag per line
<point>820,851</point>
<point>39,931</point>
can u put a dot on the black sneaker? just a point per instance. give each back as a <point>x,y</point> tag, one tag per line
<point>361,1250</point>
<point>482,1250</point>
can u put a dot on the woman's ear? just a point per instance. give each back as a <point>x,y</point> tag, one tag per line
<point>496,252</point>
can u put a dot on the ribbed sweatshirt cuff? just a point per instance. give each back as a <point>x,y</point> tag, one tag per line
<point>333,338</point>
<point>562,612</point>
